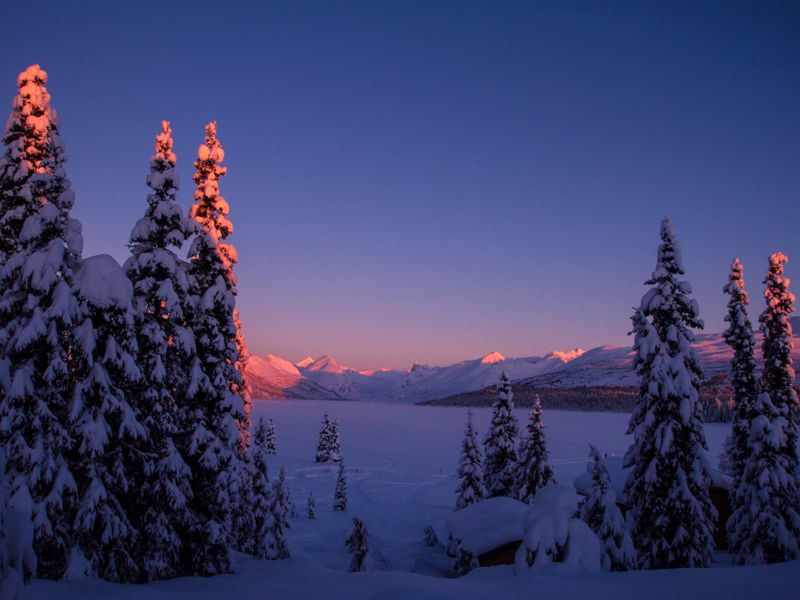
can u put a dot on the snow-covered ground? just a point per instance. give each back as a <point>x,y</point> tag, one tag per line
<point>401,461</point>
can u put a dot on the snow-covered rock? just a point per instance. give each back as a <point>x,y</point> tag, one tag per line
<point>488,524</point>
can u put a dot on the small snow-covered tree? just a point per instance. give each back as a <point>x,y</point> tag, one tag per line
<point>601,513</point>
<point>470,487</point>
<point>328,444</point>
<point>262,495</point>
<point>166,349</point>
<point>340,495</point>
<point>272,438</point>
<point>357,544</point>
<point>108,449</point>
<point>214,406</point>
<point>277,521</point>
<point>765,524</point>
<point>465,560</point>
<point>430,538</point>
<point>311,507</point>
<point>533,470</point>
<point>500,452</point>
<point>668,485</point>
<point>38,311</point>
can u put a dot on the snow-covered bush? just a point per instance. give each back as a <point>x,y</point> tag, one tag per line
<point>554,534</point>
<point>465,560</point>
<point>429,537</point>
<point>601,513</point>
<point>311,507</point>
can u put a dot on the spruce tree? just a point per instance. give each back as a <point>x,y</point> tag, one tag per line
<point>357,544</point>
<point>601,513</point>
<point>166,347</point>
<point>470,487</point>
<point>311,507</point>
<point>324,440</point>
<point>215,410</point>
<point>262,494</point>
<point>242,387</point>
<point>272,438</point>
<point>668,485</point>
<point>739,336</point>
<point>109,448</point>
<point>533,471</point>
<point>765,524</point>
<point>500,453</point>
<point>277,521</point>
<point>340,495</point>
<point>38,311</point>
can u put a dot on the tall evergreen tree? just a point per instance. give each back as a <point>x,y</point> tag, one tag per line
<point>38,311</point>
<point>262,494</point>
<point>500,451</point>
<point>161,306</point>
<point>470,487</point>
<point>667,489</point>
<point>328,444</point>
<point>533,471</point>
<point>765,524</point>
<point>340,495</point>
<point>601,513</point>
<point>243,387</point>
<point>215,410</point>
<point>108,438</point>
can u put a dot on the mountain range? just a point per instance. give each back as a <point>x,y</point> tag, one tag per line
<point>272,377</point>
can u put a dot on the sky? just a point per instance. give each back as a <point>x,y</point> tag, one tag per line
<point>431,181</point>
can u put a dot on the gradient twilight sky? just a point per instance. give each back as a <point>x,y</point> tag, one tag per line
<point>431,181</point>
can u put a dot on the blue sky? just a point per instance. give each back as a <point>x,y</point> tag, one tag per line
<point>432,181</point>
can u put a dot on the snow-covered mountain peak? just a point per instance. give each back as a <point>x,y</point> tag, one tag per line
<point>326,364</point>
<point>302,364</point>
<point>566,356</point>
<point>491,358</point>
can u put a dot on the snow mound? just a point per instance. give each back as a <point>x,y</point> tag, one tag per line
<point>488,524</point>
<point>102,282</point>
<point>553,534</point>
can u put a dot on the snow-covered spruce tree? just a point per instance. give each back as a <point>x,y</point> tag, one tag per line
<point>470,487</point>
<point>311,507</point>
<point>533,471</point>
<point>777,378</point>
<point>277,522</point>
<point>765,524</point>
<point>166,348</point>
<point>243,387</point>
<point>38,311</point>
<point>500,444</point>
<point>357,544</point>
<point>739,336</point>
<point>108,450</point>
<point>340,495</point>
<point>335,446</point>
<point>668,485</point>
<point>272,438</point>
<point>214,408</point>
<point>601,513</point>
<point>262,494</point>
<point>323,441</point>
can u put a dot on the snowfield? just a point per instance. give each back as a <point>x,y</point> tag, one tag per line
<point>401,462</point>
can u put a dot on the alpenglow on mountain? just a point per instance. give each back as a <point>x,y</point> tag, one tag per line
<point>272,377</point>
